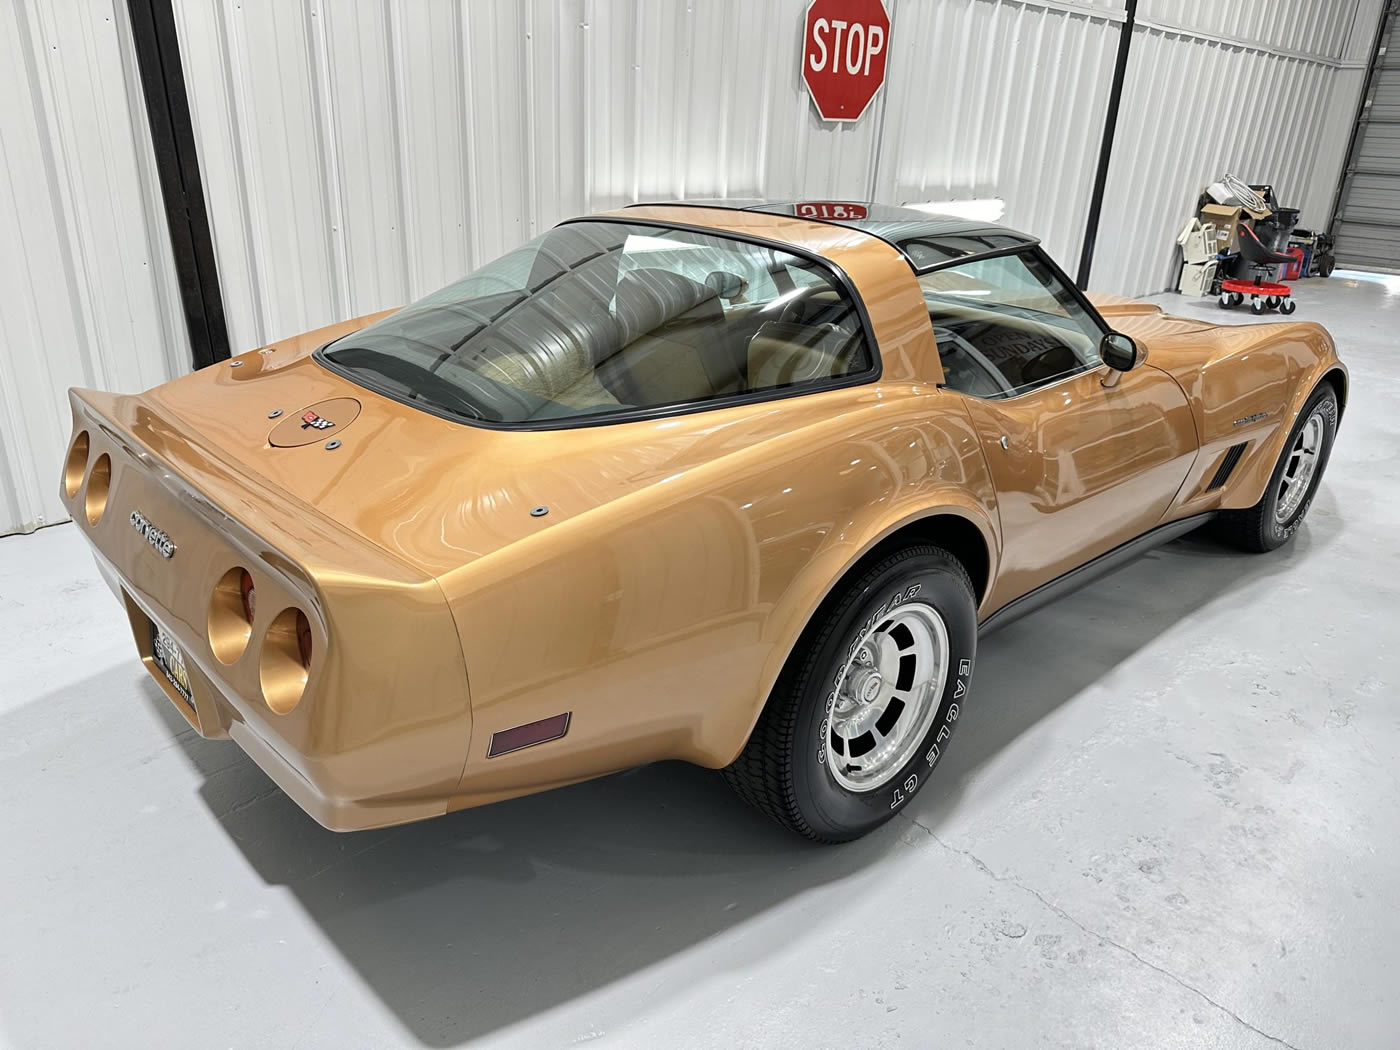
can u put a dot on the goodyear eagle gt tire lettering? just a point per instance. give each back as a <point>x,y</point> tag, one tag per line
<point>1271,522</point>
<point>864,709</point>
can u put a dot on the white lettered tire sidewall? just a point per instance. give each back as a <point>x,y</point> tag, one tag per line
<point>1324,402</point>
<point>833,811</point>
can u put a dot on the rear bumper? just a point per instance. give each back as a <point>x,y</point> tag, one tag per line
<point>379,731</point>
<point>214,714</point>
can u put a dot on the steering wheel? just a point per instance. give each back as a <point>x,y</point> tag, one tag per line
<point>794,311</point>
<point>1055,361</point>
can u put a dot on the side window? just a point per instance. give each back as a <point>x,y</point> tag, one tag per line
<point>701,317</point>
<point>1008,325</point>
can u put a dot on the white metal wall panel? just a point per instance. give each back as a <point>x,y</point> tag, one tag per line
<point>90,297</point>
<point>1193,109</point>
<point>1023,121</point>
<point>1309,27</point>
<point>359,154</point>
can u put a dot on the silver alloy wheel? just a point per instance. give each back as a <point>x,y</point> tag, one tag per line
<point>1298,471</point>
<point>887,697</point>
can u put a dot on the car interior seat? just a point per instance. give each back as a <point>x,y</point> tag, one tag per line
<point>670,346</point>
<point>785,352</point>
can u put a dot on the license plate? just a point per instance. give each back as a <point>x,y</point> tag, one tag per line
<point>167,655</point>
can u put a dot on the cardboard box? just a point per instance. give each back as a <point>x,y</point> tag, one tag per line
<point>1197,278</point>
<point>1197,242</point>
<point>1226,220</point>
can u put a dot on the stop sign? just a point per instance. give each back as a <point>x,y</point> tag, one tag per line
<point>843,55</point>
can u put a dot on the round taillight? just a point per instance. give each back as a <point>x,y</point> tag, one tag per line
<point>249,595</point>
<point>75,466</point>
<point>231,614</point>
<point>304,640</point>
<point>284,660</point>
<point>98,482</point>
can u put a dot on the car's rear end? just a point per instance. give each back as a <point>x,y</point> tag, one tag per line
<point>334,664</point>
<point>514,481</point>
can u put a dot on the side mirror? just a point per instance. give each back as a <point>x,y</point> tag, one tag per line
<point>1121,354</point>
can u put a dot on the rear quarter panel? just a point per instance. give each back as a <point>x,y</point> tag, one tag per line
<point>662,619</point>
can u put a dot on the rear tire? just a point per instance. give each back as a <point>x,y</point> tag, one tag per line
<point>1271,522</point>
<point>863,709</point>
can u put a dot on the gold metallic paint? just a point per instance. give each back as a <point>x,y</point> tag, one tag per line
<point>1085,468</point>
<point>293,430</point>
<point>228,628</point>
<point>75,466</point>
<point>678,564</point>
<point>1232,373</point>
<point>387,736</point>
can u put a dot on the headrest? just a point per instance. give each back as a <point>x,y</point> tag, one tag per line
<point>649,298</point>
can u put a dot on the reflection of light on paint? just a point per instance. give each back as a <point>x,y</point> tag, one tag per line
<point>989,209</point>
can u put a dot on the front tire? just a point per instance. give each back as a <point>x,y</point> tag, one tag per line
<point>864,708</point>
<point>1271,522</point>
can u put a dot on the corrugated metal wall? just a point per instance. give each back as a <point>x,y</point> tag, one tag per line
<point>88,295</point>
<point>1265,91</point>
<point>359,153</point>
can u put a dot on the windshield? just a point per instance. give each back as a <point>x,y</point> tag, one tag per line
<point>604,318</point>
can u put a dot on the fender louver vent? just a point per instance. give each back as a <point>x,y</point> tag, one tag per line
<point>1227,466</point>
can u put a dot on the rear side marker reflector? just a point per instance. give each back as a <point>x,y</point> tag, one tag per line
<point>531,733</point>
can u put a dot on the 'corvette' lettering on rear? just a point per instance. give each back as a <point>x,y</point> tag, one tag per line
<point>156,537</point>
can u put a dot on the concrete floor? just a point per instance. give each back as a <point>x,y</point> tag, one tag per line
<point>1169,819</point>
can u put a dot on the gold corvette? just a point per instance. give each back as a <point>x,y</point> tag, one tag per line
<point>708,481</point>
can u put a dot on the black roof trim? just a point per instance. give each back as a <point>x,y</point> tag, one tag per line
<point>928,241</point>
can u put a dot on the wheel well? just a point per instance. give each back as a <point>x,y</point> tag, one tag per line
<point>1338,381</point>
<point>955,534</point>
<point>958,536</point>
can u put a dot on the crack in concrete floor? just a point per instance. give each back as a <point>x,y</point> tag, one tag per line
<point>1011,880</point>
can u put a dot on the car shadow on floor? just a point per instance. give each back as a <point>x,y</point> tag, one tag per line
<point>474,921</point>
<point>480,919</point>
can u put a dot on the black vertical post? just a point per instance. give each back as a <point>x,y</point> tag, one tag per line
<point>177,164</point>
<point>1110,126</point>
